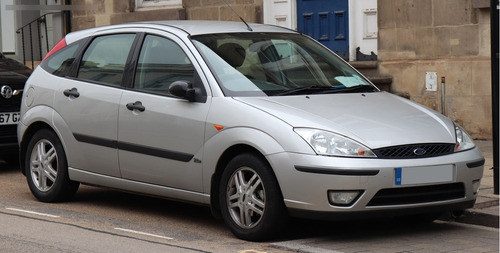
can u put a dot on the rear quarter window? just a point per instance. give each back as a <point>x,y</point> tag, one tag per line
<point>60,63</point>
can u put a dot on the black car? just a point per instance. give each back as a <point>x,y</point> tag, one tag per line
<point>13,76</point>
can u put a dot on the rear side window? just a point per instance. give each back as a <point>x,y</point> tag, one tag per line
<point>60,63</point>
<point>161,62</point>
<point>105,58</point>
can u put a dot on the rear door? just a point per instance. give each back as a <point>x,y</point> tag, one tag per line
<point>161,137</point>
<point>89,103</point>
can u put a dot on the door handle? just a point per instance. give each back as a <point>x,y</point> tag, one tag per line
<point>136,106</point>
<point>73,92</point>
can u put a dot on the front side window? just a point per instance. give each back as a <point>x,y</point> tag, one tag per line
<point>161,62</point>
<point>105,58</point>
<point>269,64</point>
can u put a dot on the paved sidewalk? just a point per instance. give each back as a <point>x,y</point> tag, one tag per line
<point>486,211</point>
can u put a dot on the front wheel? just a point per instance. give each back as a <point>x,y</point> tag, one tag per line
<point>47,168</point>
<point>250,199</point>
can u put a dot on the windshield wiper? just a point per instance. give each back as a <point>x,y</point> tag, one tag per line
<point>354,89</point>
<point>305,90</point>
<point>327,90</point>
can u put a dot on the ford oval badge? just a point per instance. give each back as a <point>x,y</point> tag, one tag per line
<point>419,151</point>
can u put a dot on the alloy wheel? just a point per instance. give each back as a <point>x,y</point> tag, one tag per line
<point>43,165</point>
<point>246,197</point>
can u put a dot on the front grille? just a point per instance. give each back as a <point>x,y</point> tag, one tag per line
<point>15,82</point>
<point>420,194</point>
<point>415,151</point>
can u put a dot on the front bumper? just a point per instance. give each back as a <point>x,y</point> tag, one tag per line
<point>306,179</point>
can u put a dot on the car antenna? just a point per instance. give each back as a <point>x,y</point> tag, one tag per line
<point>248,27</point>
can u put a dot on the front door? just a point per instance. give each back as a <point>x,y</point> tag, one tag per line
<point>327,22</point>
<point>160,137</point>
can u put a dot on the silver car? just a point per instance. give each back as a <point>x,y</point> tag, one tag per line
<point>259,122</point>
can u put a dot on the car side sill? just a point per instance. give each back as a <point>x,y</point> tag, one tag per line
<point>91,178</point>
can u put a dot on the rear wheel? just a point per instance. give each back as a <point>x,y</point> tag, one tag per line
<point>250,199</point>
<point>47,168</point>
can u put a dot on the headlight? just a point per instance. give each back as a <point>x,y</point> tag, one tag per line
<point>331,144</point>
<point>463,140</point>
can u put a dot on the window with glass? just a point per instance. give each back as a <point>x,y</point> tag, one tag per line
<point>268,64</point>
<point>158,3</point>
<point>161,62</point>
<point>105,58</point>
<point>60,63</point>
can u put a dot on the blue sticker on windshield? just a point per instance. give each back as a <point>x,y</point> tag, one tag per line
<point>398,176</point>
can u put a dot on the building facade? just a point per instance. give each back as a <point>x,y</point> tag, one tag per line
<point>419,43</point>
<point>120,11</point>
<point>450,38</point>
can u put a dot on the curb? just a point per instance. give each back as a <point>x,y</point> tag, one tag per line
<point>477,218</point>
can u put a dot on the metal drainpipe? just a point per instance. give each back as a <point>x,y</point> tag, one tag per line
<point>443,93</point>
<point>494,13</point>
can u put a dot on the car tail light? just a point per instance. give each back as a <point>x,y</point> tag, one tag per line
<point>61,44</point>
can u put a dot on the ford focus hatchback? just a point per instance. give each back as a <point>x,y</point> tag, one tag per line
<point>259,122</point>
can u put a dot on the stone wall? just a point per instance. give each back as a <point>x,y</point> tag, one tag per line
<point>108,12</point>
<point>121,11</point>
<point>450,37</point>
<point>249,10</point>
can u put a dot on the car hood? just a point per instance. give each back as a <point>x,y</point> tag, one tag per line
<point>10,67</point>
<point>376,119</point>
<point>12,78</point>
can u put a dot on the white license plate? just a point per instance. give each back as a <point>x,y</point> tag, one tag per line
<point>424,175</point>
<point>9,118</point>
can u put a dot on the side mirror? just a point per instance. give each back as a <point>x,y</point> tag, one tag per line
<point>182,89</point>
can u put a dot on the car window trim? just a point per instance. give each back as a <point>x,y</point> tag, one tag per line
<point>76,63</point>
<point>132,59</point>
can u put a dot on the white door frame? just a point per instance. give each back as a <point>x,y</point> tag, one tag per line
<point>363,28</point>
<point>281,12</point>
<point>7,29</point>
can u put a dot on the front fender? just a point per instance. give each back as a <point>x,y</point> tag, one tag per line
<point>227,138</point>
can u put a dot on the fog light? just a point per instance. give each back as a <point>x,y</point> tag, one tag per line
<point>475,186</point>
<point>343,198</point>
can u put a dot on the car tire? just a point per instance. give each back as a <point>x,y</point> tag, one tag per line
<point>251,202</point>
<point>47,168</point>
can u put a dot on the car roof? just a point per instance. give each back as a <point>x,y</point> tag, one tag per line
<point>197,27</point>
<point>190,27</point>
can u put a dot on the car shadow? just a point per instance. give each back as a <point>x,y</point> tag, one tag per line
<point>6,167</point>
<point>341,231</point>
<point>125,204</point>
<point>142,205</point>
<point>365,230</point>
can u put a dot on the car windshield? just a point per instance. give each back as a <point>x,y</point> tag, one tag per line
<point>271,64</point>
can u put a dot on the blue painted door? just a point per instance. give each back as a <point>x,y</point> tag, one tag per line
<point>327,22</point>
